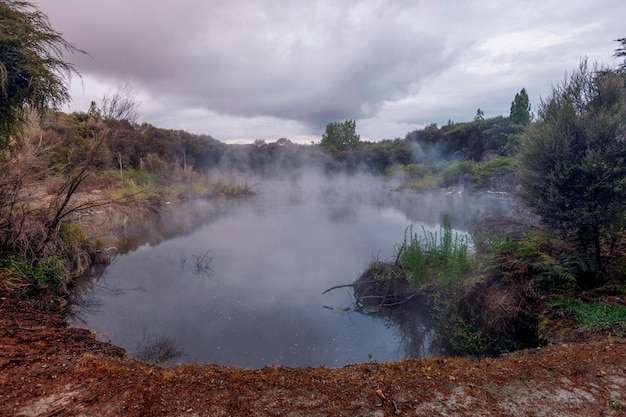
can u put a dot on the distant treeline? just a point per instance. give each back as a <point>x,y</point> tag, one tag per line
<point>148,147</point>
<point>471,141</point>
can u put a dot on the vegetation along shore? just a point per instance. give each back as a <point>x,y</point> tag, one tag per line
<point>530,309</point>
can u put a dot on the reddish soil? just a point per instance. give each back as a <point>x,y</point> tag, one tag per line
<point>48,369</point>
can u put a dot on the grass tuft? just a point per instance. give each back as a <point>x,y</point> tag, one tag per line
<point>440,257</point>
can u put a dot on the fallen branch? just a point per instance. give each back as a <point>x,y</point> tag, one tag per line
<point>339,286</point>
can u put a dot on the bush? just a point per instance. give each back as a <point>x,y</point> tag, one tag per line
<point>46,273</point>
<point>463,336</point>
<point>414,176</point>
<point>495,171</point>
<point>595,316</point>
<point>458,173</point>
<point>573,165</point>
<point>542,257</point>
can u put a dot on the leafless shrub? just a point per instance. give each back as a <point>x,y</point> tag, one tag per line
<point>159,350</point>
<point>120,104</point>
<point>501,305</point>
<point>31,221</point>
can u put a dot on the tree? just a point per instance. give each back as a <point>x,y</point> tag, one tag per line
<point>573,163</point>
<point>33,73</point>
<point>480,115</point>
<point>340,136</point>
<point>621,53</point>
<point>520,109</point>
<point>120,104</point>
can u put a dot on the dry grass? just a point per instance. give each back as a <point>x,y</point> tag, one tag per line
<point>13,281</point>
<point>501,304</point>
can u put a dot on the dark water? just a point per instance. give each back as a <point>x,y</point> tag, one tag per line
<point>239,282</point>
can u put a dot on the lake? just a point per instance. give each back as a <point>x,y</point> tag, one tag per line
<point>239,282</point>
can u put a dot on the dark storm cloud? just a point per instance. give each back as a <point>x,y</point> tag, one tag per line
<point>307,61</point>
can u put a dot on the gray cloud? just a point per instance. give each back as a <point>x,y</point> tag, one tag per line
<point>310,62</point>
<point>315,62</point>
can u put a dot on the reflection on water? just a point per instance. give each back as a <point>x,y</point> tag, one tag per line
<point>239,282</point>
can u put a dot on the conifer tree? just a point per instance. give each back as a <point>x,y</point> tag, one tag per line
<point>520,109</point>
<point>573,163</point>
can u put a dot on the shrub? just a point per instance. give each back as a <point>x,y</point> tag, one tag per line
<point>458,173</point>
<point>46,273</point>
<point>494,171</point>
<point>542,257</point>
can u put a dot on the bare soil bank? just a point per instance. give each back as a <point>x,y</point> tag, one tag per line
<point>48,369</point>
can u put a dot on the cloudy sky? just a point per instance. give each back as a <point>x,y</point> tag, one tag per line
<point>241,70</point>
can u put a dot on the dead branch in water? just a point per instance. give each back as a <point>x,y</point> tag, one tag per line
<point>339,286</point>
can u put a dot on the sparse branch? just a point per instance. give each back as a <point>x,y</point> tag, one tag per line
<point>620,52</point>
<point>339,286</point>
<point>120,104</point>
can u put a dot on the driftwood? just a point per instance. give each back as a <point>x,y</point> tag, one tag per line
<point>339,286</point>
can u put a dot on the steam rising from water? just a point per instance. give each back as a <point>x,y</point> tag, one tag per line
<point>271,257</point>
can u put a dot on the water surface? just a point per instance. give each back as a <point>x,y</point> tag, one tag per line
<point>239,282</point>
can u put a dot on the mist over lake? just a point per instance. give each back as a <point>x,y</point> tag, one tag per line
<point>239,282</point>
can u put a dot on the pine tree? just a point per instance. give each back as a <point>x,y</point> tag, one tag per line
<point>520,109</point>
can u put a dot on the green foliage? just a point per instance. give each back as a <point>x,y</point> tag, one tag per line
<point>541,257</point>
<point>595,316</point>
<point>440,258</point>
<point>463,141</point>
<point>615,402</point>
<point>520,109</point>
<point>154,164</point>
<point>457,334</point>
<point>494,170</point>
<point>70,232</point>
<point>462,335</point>
<point>340,136</point>
<point>33,74</point>
<point>458,173</point>
<point>620,52</point>
<point>45,272</point>
<point>414,176</point>
<point>231,188</point>
<point>573,163</point>
<point>513,144</point>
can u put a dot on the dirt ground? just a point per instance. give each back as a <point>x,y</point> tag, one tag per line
<point>48,369</point>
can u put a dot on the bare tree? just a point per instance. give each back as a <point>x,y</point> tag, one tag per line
<point>120,103</point>
<point>31,220</point>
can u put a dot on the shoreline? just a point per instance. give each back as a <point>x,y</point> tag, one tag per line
<point>49,369</point>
